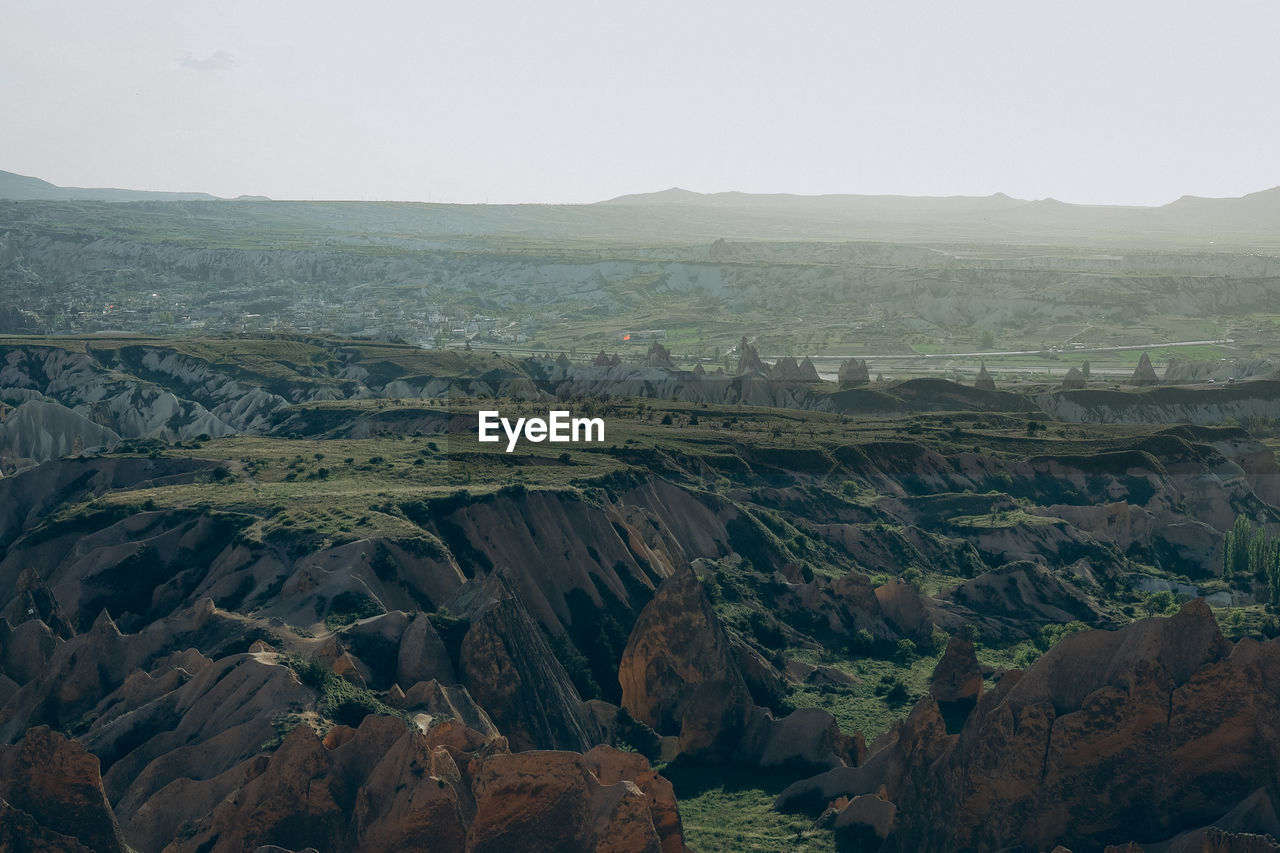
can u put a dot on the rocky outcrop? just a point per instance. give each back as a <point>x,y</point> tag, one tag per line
<point>20,831</point>
<point>50,786</point>
<point>749,363</point>
<point>1210,839</point>
<point>421,655</point>
<point>510,669</point>
<point>1074,380</point>
<point>612,766</point>
<point>904,609</point>
<point>551,801</point>
<point>1020,596</point>
<point>957,677</point>
<point>1144,373</point>
<point>38,431</point>
<point>786,369</point>
<point>984,382</point>
<point>658,356</point>
<point>853,372</point>
<point>678,675</point>
<point>1187,371</point>
<point>805,738</point>
<point>869,813</point>
<point>447,703</point>
<point>910,745</point>
<point>1179,723</point>
<point>850,603</point>
<point>1206,406</point>
<point>385,787</point>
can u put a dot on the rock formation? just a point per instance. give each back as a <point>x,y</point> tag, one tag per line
<point>984,382</point>
<point>678,675</point>
<point>853,372</point>
<point>1074,380</point>
<point>553,801</point>
<point>1180,724</point>
<point>385,787</point>
<point>511,671</point>
<point>1015,598</point>
<point>39,431</point>
<point>51,786</point>
<point>1144,373</point>
<point>788,370</point>
<point>749,363</point>
<point>658,356</point>
<point>957,678</point>
<point>612,766</point>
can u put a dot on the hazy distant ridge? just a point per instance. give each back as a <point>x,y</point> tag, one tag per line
<point>24,188</point>
<point>1251,222</point>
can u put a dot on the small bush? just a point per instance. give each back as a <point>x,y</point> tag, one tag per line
<point>348,607</point>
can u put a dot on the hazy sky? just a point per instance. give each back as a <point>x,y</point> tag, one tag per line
<point>1106,102</point>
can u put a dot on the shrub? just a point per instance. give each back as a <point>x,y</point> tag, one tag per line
<point>1159,602</point>
<point>348,607</point>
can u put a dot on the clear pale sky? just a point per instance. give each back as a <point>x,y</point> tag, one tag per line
<point>1094,102</point>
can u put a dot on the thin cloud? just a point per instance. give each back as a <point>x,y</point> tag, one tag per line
<point>219,60</point>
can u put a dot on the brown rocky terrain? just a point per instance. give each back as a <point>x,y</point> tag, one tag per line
<point>1160,728</point>
<point>503,668</point>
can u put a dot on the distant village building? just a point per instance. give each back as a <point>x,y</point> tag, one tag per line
<point>632,336</point>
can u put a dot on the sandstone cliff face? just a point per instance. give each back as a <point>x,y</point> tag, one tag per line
<point>957,677</point>
<point>511,671</point>
<point>1173,722</point>
<point>1202,406</point>
<point>1018,597</point>
<point>50,786</point>
<point>678,674</point>
<point>41,431</point>
<point>385,787</point>
<point>551,801</point>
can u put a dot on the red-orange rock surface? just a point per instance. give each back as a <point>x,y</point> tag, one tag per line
<point>678,674</point>
<point>1158,728</point>
<point>56,783</point>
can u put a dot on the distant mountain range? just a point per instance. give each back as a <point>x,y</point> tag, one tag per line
<point>1250,222</point>
<point>1253,218</point>
<point>1265,203</point>
<point>24,188</point>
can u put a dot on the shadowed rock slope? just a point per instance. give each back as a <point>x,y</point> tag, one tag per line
<point>1133,735</point>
